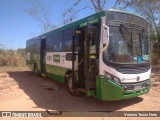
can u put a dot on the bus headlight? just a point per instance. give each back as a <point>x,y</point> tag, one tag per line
<point>107,75</point>
<point>117,81</point>
<point>112,78</point>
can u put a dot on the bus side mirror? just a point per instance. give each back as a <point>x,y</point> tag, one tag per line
<point>105,37</point>
<point>105,34</point>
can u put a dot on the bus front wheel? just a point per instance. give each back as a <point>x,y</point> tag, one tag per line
<point>73,90</point>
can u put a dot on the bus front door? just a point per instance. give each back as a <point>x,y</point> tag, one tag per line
<point>91,57</point>
<point>78,58</point>
<point>85,48</point>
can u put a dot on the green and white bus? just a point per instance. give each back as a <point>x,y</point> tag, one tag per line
<point>105,55</point>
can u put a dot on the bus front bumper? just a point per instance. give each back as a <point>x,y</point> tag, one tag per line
<point>109,91</point>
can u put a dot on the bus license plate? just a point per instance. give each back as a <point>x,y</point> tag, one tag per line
<point>137,87</point>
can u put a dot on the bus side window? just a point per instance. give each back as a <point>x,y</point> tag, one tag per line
<point>49,44</point>
<point>57,42</point>
<point>77,46</point>
<point>67,40</point>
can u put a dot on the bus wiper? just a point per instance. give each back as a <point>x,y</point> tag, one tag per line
<point>140,40</point>
<point>131,44</point>
<point>121,27</point>
<point>124,35</point>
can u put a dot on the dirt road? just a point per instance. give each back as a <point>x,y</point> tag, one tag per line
<point>22,91</point>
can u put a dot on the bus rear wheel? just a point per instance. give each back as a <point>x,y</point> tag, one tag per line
<point>73,90</point>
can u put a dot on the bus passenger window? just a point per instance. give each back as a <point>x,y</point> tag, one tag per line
<point>49,44</point>
<point>57,42</point>
<point>67,40</point>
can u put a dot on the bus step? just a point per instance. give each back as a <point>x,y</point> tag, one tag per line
<point>90,92</point>
<point>43,75</point>
<point>83,90</point>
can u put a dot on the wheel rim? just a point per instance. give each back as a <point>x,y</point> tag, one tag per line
<point>35,70</point>
<point>70,83</point>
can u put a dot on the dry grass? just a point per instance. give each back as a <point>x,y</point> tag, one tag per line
<point>12,69</point>
<point>14,58</point>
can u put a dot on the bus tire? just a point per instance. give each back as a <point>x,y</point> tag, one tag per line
<point>72,87</point>
<point>35,69</point>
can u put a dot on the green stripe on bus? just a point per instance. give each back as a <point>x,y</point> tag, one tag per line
<point>83,24</point>
<point>56,72</point>
<point>58,78</point>
<point>56,58</point>
<point>92,21</point>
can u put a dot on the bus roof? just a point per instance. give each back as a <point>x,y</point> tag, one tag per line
<point>84,20</point>
<point>122,11</point>
<point>75,23</point>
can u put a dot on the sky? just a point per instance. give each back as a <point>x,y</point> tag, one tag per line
<point>16,26</point>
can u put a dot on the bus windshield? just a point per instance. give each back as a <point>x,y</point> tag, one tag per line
<point>127,45</point>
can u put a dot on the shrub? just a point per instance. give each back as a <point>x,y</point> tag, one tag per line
<point>11,58</point>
